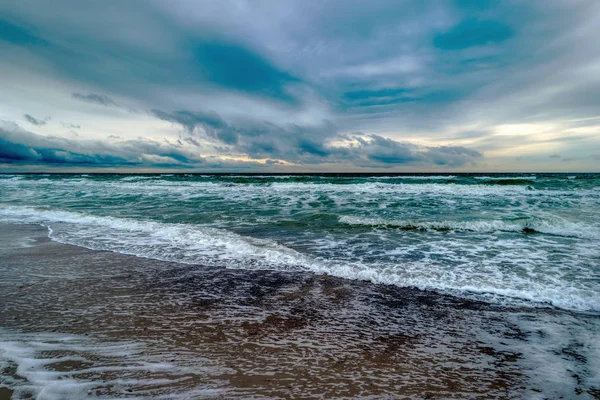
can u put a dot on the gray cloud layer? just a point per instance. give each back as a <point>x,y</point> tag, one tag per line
<point>287,80</point>
<point>18,146</point>
<point>310,145</point>
<point>292,144</point>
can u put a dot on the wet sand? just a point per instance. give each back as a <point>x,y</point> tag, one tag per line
<point>113,325</point>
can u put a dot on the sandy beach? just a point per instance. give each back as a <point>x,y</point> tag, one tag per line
<point>77,322</point>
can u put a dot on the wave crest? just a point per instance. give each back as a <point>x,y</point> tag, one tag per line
<point>530,225</point>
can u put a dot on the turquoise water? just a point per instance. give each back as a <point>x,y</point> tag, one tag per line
<point>513,239</point>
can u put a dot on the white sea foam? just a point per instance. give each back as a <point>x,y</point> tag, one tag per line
<point>462,268</point>
<point>507,178</point>
<point>561,355</point>
<point>99,369</point>
<point>264,176</point>
<point>512,278</point>
<point>555,226</point>
<point>417,177</point>
<point>7,179</point>
<point>381,191</point>
<point>186,243</point>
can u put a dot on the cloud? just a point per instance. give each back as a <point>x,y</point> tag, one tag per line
<point>313,144</point>
<point>34,121</point>
<point>150,49</point>
<point>18,146</point>
<point>290,80</point>
<point>256,139</point>
<point>95,99</point>
<point>212,124</point>
<point>274,144</point>
<point>379,151</point>
<point>231,65</point>
<point>555,156</point>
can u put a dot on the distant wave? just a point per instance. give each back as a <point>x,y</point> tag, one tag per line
<point>516,181</point>
<point>11,178</point>
<point>524,225</point>
<point>506,178</point>
<point>417,177</point>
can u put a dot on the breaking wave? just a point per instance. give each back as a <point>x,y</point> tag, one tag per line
<point>524,225</point>
<point>197,244</point>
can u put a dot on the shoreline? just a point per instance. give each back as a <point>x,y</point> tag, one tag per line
<point>266,334</point>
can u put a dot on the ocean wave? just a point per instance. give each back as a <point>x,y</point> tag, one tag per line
<point>197,244</point>
<point>416,177</point>
<point>555,226</point>
<point>507,182</point>
<point>186,243</point>
<point>530,293</point>
<point>506,178</point>
<point>345,189</point>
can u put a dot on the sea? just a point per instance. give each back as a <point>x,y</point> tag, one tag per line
<point>504,251</point>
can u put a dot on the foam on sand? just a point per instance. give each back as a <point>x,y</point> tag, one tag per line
<point>54,366</point>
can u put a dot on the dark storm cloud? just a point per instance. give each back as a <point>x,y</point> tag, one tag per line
<point>94,98</point>
<point>233,66</point>
<point>18,146</point>
<point>123,47</point>
<point>452,156</point>
<point>11,152</point>
<point>257,139</point>
<point>292,143</point>
<point>191,119</point>
<point>311,144</point>
<point>34,121</point>
<point>390,152</point>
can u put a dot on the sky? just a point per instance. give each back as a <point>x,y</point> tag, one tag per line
<point>300,86</point>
